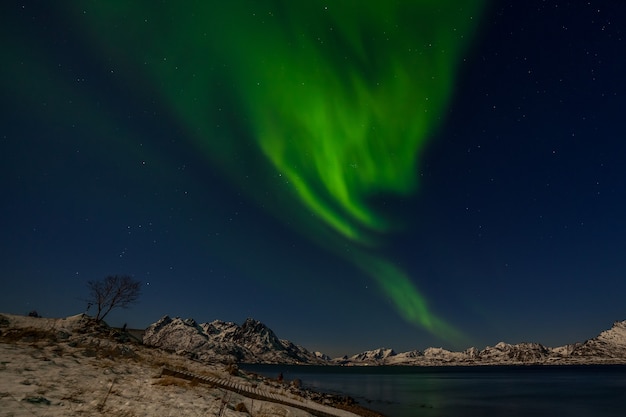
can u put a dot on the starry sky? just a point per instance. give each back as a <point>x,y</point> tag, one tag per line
<point>353,174</point>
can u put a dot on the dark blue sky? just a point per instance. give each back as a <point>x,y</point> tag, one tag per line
<point>517,231</point>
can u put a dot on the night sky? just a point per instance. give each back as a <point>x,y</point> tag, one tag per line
<point>354,174</point>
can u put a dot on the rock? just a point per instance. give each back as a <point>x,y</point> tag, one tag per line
<point>37,400</point>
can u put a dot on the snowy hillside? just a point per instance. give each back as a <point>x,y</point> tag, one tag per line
<point>77,366</point>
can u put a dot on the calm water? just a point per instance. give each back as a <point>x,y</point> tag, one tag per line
<point>598,391</point>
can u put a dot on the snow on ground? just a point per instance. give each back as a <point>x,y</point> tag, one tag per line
<point>55,367</point>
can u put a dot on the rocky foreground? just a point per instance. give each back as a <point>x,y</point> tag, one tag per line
<point>79,367</point>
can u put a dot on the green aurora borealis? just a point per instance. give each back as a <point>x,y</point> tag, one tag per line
<point>327,105</point>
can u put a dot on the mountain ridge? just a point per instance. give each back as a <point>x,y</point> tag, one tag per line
<point>608,347</point>
<point>227,342</point>
<point>254,342</point>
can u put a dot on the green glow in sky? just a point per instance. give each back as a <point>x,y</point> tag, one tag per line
<point>326,105</point>
<point>407,299</point>
<point>348,126</point>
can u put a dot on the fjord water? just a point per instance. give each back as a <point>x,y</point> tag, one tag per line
<point>512,391</point>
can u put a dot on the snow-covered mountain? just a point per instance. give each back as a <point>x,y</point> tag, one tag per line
<point>220,341</point>
<point>609,344</point>
<point>254,342</point>
<point>372,357</point>
<point>608,347</point>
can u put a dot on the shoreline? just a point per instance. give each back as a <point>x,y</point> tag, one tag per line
<point>314,402</point>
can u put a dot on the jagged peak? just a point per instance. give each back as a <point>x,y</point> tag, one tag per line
<point>435,350</point>
<point>252,322</point>
<point>322,356</point>
<point>411,354</point>
<point>375,354</point>
<point>255,326</point>
<point>222,323</point>
<point>190,322</point>
<point>159,324</point>
<point>218,340</point>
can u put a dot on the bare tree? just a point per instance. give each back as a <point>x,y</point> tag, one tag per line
<point>111,292</point>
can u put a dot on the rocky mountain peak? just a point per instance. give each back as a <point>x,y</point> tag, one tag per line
<point>223,341</point>
<point>610,343</point>
<point>257,337</point>
<point>374,355</point>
